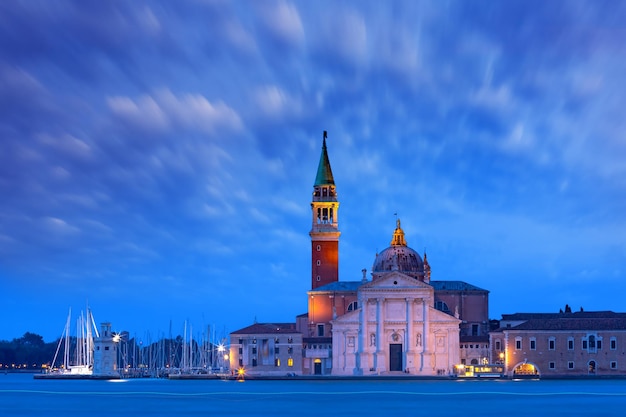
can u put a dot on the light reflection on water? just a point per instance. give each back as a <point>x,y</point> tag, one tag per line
<point>21,395</point>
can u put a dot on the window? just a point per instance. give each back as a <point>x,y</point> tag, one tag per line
<point>551,343</point>
<point>240,361</point>
<point>592,343</point>
<point>277,362</point>
<point>613,343</point>
<point>320,330</point>
<point>276,350</point>
<point>106,348</point>
<point>533,343</point>
<point>240,341</point>
<point>318,278</point>
<point>613,365</point>
<point>518,343</point>
<point>570,365</point>
<point>353,306</point>
<point>570,343</point>
<point>240,350</point>
<point>290,350</point>
<point>498,345</point>
<point>253,361</point>
<point>319,262</point>
<point>319,248</point>
<point>254,350</point>
<point>475,329</point>
<point>290,362</point>
<point>290,340</point>
<point>551,365</point>
<point>442,306</point>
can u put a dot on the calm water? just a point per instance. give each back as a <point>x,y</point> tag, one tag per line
<point>21,395</point>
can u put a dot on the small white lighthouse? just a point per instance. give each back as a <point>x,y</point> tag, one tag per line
<point>105,353</point>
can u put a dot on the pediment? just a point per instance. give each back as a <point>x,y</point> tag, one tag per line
<point>349,317</point>
<point>395,281</point>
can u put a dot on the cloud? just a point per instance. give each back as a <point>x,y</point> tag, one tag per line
<point>281,21</point>
<point>164,110</point>
<point>276,103</point>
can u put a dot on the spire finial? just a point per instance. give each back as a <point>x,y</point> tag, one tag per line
<point>398,235</point>
<point>324,173</point>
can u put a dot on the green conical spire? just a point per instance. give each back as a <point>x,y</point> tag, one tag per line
<point>324,173</point>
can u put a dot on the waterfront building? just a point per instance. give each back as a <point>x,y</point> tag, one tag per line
<point>268,349</point>
<point>105,352</point>
<point>398,320</point>
<point>395,326</point>
<point>564,344</point>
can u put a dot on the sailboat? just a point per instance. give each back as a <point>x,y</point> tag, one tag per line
<point>78,350</point>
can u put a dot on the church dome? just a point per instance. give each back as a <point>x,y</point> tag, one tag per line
<point>398,257</point>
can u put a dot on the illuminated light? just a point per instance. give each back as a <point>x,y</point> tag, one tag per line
<point>226,357</point>
<point>241,373</point>
<point>220,348</point>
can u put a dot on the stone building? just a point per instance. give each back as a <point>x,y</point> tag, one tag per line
<point>394,326</point>
<point>268,349</point>
<point>105,353</point>
<point>397,321</point>
<point>564,344</point>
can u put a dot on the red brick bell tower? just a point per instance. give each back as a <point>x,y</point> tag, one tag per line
<point>324,230</point>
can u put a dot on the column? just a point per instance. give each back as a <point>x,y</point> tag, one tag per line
<point>360,360</point>
<point>410,338</point>
<point>425,365</point>
<point>380,332</point>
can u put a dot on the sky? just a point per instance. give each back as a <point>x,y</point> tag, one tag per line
<point>157,158</point>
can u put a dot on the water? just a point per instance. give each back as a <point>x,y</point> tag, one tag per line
<point>21,395</point>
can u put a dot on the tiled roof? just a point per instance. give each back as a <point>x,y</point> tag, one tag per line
<point>454,286</point>
<point>575,315</point>
<point>437,285</point>
<point>570,323</point>
<point>339,286</point>
<point>267,328</point>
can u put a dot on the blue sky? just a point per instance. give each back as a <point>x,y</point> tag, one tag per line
<point>157,158</point>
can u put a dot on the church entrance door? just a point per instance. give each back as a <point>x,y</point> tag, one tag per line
<point>317,367</point>
<point>395,357</point>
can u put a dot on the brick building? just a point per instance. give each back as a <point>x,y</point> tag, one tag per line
<point>397,321</point>
<point>563,344</point>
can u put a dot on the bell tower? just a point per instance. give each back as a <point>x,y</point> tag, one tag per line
<point>324,229</point>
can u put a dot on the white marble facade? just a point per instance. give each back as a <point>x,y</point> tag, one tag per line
<point>395,329</point>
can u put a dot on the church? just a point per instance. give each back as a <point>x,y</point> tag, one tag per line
<point>396,322</point>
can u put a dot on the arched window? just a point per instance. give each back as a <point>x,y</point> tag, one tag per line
<point>442,306</point>
<point>592,367</point>
<point>353,306</point>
